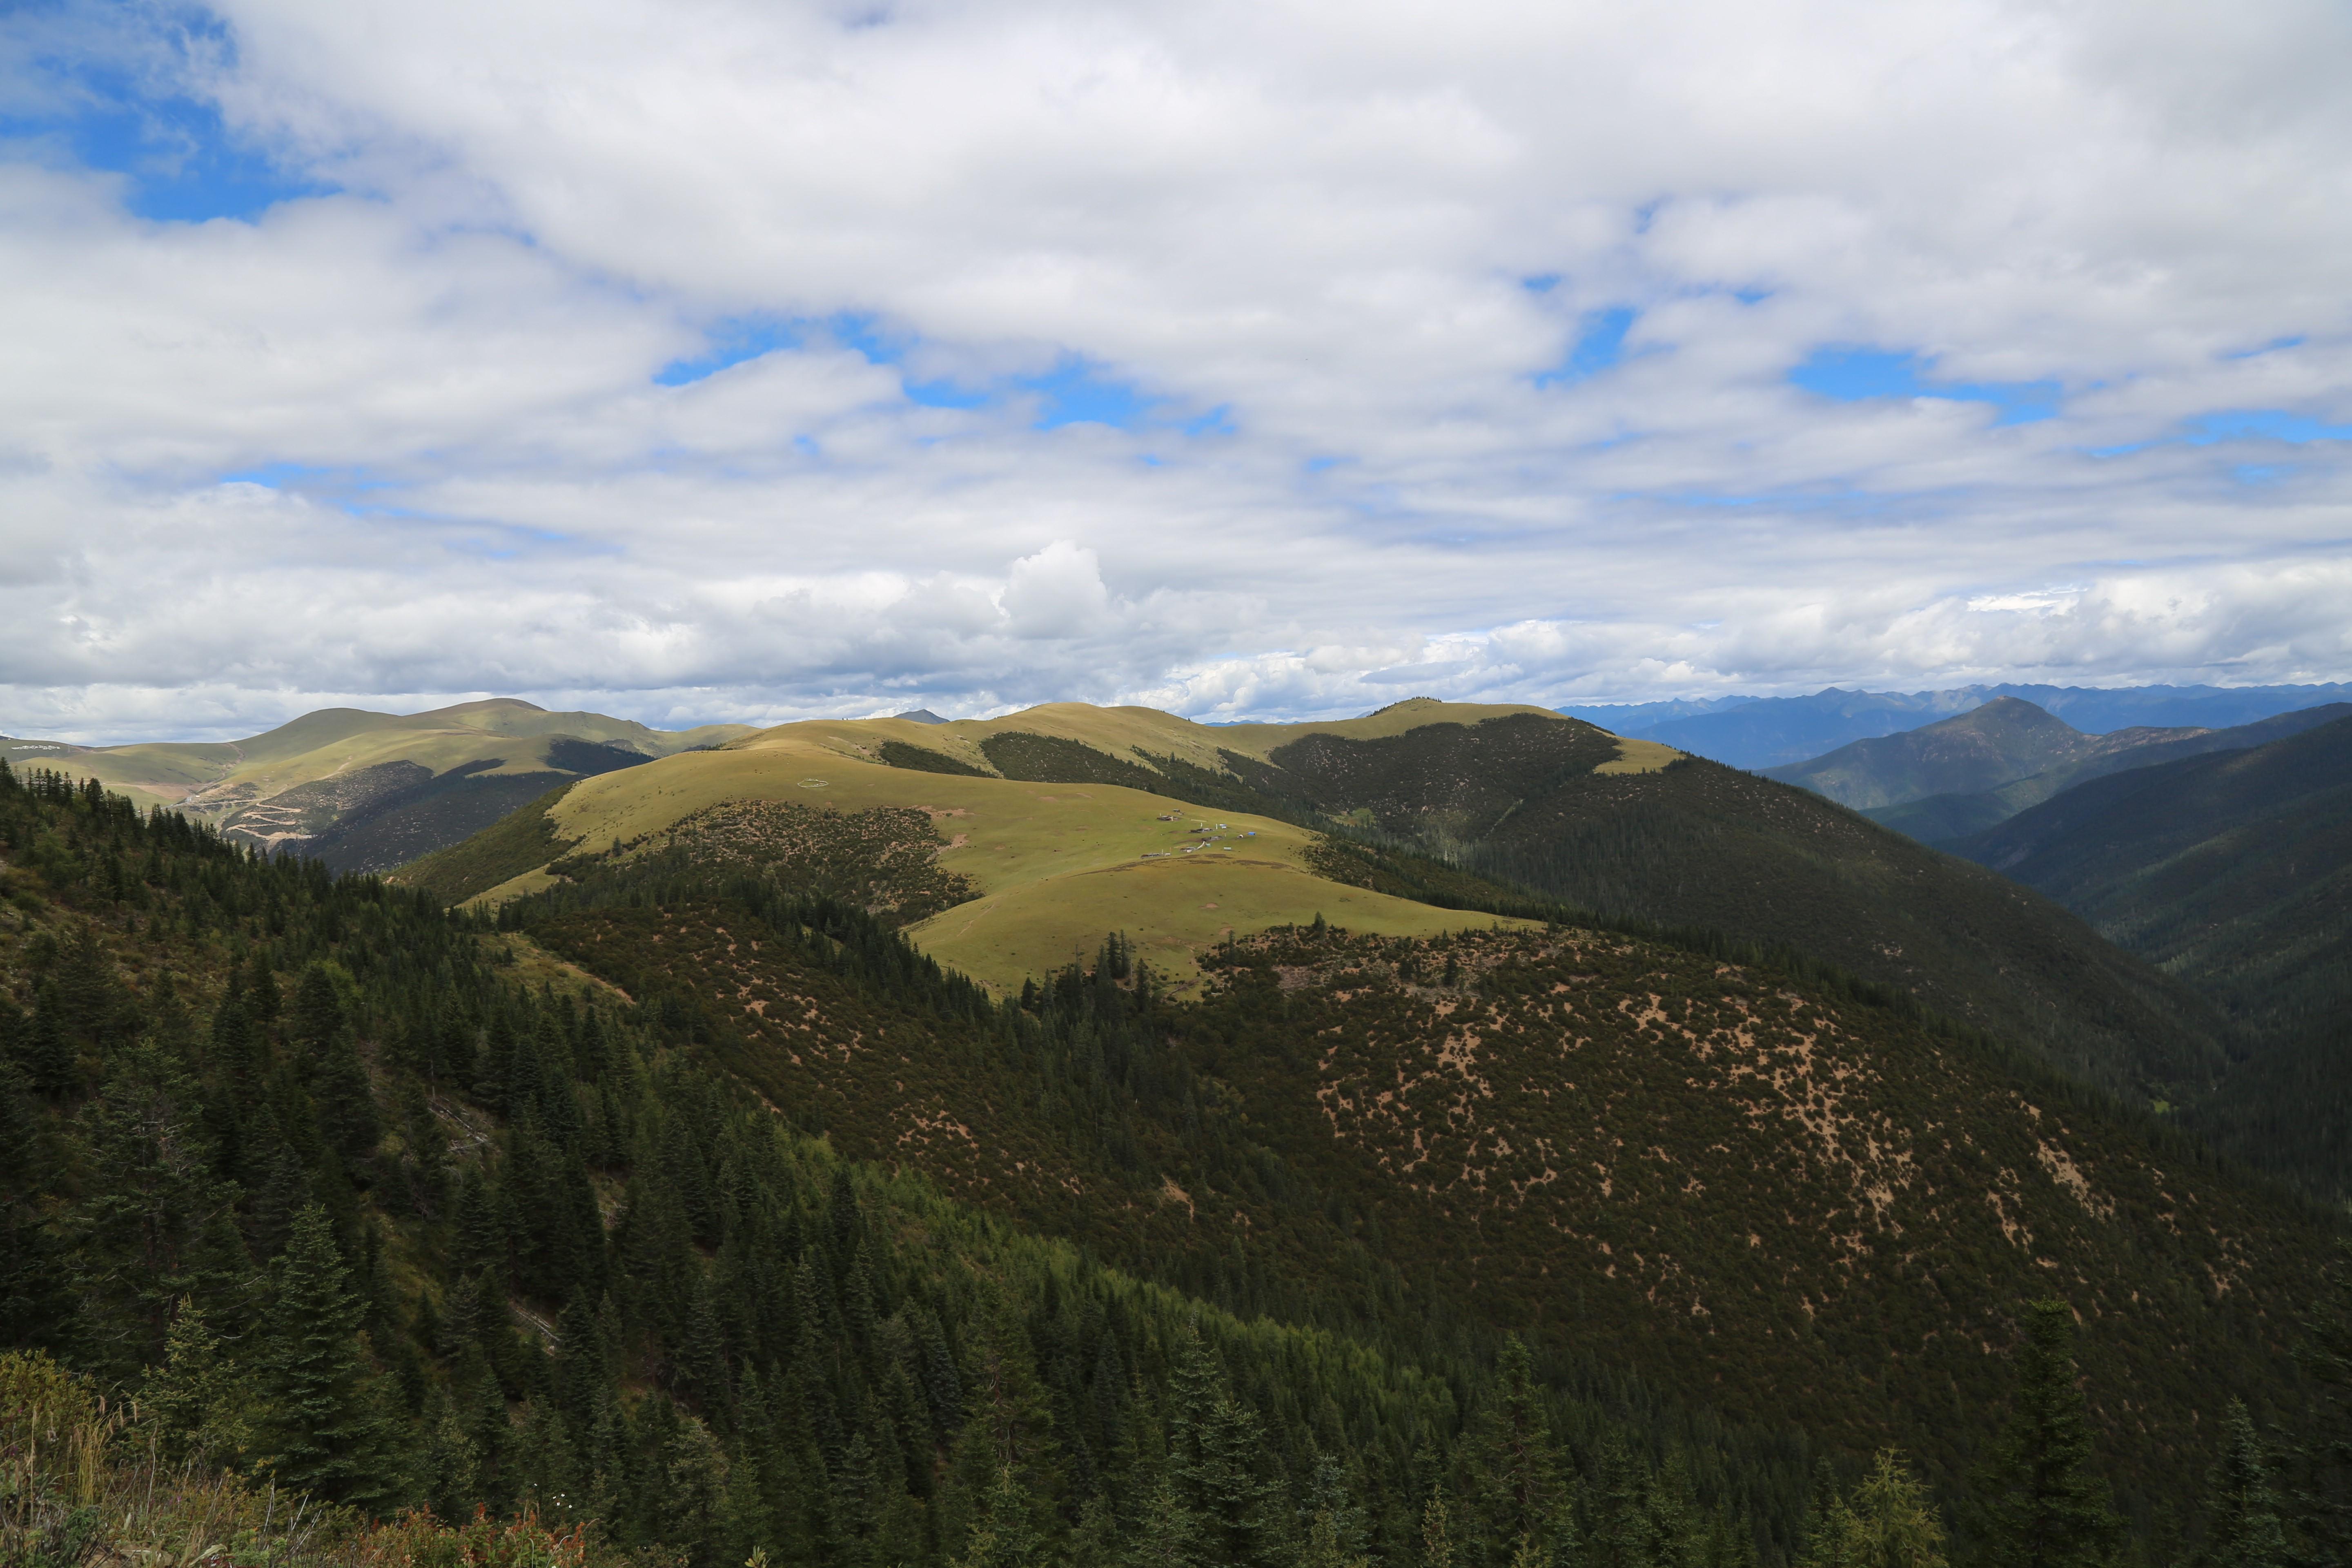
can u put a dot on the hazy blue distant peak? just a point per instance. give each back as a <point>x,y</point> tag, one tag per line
<point>1773,731</point>
<point>1631,717</point>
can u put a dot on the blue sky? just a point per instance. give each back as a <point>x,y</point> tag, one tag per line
<point>977,359</point>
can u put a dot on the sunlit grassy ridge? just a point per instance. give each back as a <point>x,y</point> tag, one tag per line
<point>1055,865</point>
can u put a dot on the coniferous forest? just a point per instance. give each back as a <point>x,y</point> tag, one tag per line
<point>336,1226</point>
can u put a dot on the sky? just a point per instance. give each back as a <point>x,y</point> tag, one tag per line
<point>752,360</point>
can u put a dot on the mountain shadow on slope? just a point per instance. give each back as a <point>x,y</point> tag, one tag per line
<point>922,759</point>
<point>2232,872</point>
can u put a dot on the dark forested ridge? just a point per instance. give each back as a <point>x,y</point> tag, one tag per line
<point>695,1219</point>
<point>2232,872</point>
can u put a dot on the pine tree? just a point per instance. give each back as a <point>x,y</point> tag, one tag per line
<point>448,1465</point>
<point>1167,1534</point>
<point>346,1099</point>
<point>2242,1527</point>
<point>1510,1461</point>
<point>324,1431</point>
<point>2321,1496</point>
<point>2048,1509</point>
<point>318,1011</point>
<point>156,1224</point>
<point>1235,1489</point>
<point>1436,1533</point>
<point>1003,1533</point>
<point>208,1409</point>
<point>1888,1521</point>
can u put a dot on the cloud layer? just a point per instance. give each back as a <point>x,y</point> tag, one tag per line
<point>731,360</point>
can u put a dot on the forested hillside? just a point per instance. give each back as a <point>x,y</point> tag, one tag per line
<point>769,1239</point>
<point>2233,873</point>
<point>370,1204</point>
<point>1807,1204</point>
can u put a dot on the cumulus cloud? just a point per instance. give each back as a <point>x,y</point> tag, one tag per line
<point>737,360</point>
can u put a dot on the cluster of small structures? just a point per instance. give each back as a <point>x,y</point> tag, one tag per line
<point>1208,838</point>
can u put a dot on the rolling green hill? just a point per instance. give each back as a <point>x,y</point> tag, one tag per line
<point>1073,820</point>
<point>367,791</point>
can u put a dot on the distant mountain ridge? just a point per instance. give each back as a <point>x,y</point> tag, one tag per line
<point>2233,873</point>
<point>2005,740</point>
<point>1935,819</point>
<point>1774,732</point>
<point>366,791</point>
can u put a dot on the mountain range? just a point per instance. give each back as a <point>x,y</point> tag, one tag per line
<point>1775,732</point>
<point>1965,774</point>
<point>363,791</point>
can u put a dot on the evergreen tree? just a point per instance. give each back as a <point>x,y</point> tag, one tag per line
<point>1888,1521</point>
<point>346,1099</point>
<point>317,1014</point>
<point>2048,1509</point>
<point>448,1465</point>
<point>156,1224</point>
<point>2320,1500</point>
<point>323,1431</point>
<point>1167,1532</point>
<point>2242,1528</point>
<point>1003,1533</point>
<point>1510,1463</point>
<point>1436,1533</point>
<point>1235,1489</point>
<point>206,1408</point>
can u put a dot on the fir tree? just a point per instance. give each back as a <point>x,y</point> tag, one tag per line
<point>318,1016</point>
<point>1167,1534</point>
<point>1436,1533</point>
<point>1003,1533</point>
<point>2320,1496</point>
<point>346,1099</point>
<point>1510,1462</point>
<point>2048,1508</point>
<point>325,1432</point>
<point>208,1409</point>
<point>156,1224</point>
<point>2241,1508</point>
<point>1888,1521</point>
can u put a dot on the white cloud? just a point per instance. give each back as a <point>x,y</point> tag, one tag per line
<point>1306,232</point>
